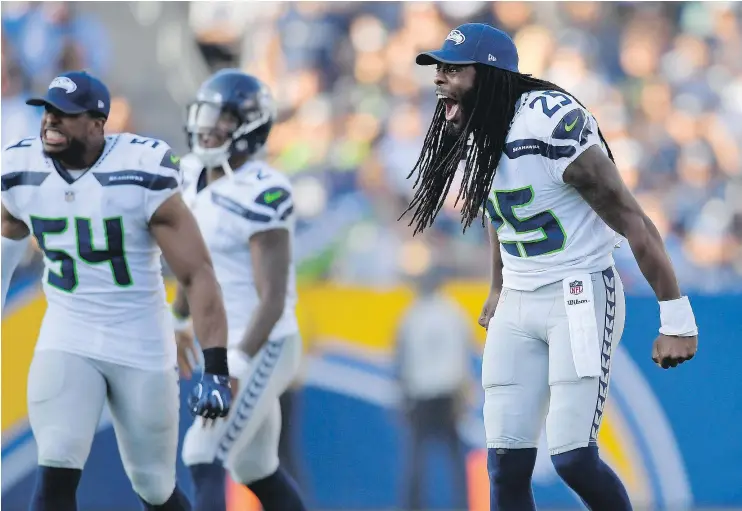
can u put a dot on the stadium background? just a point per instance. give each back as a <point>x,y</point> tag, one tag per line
<point>663,79</point>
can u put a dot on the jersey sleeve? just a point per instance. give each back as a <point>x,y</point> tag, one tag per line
<point>13,157</point>
<point>575,132</point>
<point>163,165</point>
<point>271,208</point>
<point>7,191</point>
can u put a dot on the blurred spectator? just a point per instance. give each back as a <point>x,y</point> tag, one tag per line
<point>18,119</point>
<point>50,36</point>
<point>433,349</point>
<point>119,119</point>
<point>39,41</point>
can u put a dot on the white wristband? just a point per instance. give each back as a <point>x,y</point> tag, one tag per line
<point>676,318</point>
<point>180,324</point>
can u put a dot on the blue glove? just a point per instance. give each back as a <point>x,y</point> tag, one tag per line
<point>211,398</point>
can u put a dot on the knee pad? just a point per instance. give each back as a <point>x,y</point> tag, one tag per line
<point>508,467</point>
<point>63,449</point>
<point>576,463</point>
<point>153,487</point>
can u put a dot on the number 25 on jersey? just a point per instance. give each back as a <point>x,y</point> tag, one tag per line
<point>67,279</point>
<point>502,209</point>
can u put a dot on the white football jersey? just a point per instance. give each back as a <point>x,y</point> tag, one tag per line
<point>229,211</point>
<point>547,231</point>
<point>102,274</point>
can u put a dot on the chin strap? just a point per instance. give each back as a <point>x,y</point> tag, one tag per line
<point>227,169</point>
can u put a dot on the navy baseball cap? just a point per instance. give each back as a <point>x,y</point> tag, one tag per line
<point>474,43</point>
<point>74,93</point>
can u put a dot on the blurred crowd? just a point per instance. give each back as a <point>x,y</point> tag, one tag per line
<point>663,79</point>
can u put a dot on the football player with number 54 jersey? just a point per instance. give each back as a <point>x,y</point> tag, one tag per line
<point>245,211</point>
<point>102,209</point>
<point>534,159</point>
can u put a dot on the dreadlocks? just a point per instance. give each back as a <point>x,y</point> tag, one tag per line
<point>491,109</point>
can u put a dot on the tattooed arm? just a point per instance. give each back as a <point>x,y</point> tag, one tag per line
<point>597,180</point>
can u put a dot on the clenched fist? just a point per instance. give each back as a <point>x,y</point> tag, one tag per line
<point>488,310</point>
<point>670,350</point>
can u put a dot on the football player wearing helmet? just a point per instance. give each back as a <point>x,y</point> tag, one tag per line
<point>245,211</point>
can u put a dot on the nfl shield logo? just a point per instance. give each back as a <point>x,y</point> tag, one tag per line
<point>575,287</point>
<point>69,195</point>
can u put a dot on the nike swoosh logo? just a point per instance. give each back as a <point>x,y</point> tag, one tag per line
<point>270,197</point>
<point>174,159</point>
<point>570,127</point>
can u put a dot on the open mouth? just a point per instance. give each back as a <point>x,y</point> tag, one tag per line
<point>54,137</point>
<point>452,107</point>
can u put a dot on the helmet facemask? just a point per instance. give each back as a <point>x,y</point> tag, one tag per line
<point>216,132</point>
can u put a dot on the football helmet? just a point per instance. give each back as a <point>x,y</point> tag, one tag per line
<point>232,116</point>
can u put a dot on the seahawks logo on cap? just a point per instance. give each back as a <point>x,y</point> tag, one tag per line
<point>456,36</point>
<point>62,82</point>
